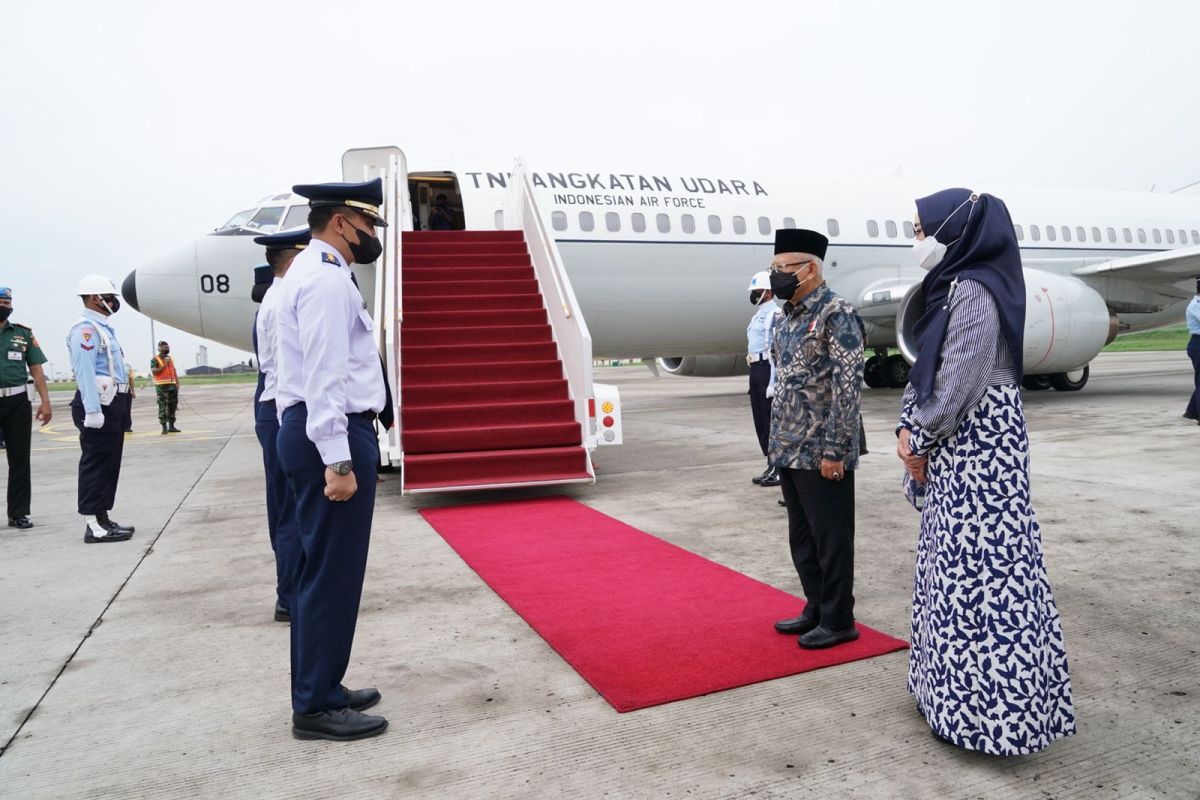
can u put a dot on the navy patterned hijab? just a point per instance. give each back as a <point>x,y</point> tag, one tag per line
<point>981,245</point>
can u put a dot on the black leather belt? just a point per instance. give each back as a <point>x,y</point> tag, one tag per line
<point>369,416</point>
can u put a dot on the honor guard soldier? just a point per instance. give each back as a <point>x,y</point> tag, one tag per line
<point>329,390</point>
<point>100,408</point>
<point>281,511</point>
<point>166,387</point>
<point>23,358</point>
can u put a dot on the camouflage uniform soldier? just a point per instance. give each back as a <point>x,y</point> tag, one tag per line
<point>166,387</point>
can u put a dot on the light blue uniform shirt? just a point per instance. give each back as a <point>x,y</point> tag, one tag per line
<point>759,329</point>
<point>90,356</point>
<point>1193,316</point>
<point>325,349</point>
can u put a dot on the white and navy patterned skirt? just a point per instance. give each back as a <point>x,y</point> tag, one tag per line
<point>987,665</point>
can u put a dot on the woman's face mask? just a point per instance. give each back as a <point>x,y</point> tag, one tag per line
<point>928,251</point>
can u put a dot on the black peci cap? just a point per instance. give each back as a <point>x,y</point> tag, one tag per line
<point>800,240</point>
<point>366,198</point>
<point>286,240</point>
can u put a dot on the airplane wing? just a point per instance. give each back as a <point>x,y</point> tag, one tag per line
<point>1169,266</point>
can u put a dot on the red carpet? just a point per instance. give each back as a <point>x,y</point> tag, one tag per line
<point>643,621</point>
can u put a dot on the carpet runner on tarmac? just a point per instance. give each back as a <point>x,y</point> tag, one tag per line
<point>643,621</point>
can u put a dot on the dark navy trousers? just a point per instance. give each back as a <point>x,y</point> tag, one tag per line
<point>333,542</point>
<point>1193,351</point>
<point>281,505</point>
<point>760,404</point>
<point>100,454</point>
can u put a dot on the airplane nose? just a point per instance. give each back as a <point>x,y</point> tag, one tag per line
<point>129,290</point>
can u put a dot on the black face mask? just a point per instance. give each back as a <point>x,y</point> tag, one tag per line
<point>112,302</point>
<point>784,284</point>
<point>756,297</point>
<point>366,249</point>
<point>259,292</point>
<point>5,313</point>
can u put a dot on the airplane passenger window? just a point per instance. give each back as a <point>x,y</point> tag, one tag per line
<point>909,231</point>
<point>612,221</point>
<point>638,221</point>
<point>1128,234</point>
<point>1066,233</point>
<point>1112,234</point>
<point>788,222</point>
<point>714,223</point>
<point>1020,233</point>
<point>1195,236</point>
<point>1035,233</point>
<point>1095,234</point>
<point>687,223</point>
<point>498,219</point>
<point>559,220</point>
<point>872,228</point>
<point>1080,234</point>
<point>1142,235</point>
<point>1157,236</point>
<point>832,226</point>
<point>663,222</point>
<point>1170,236</point>
<point>890,227</point>
<point>739,225</point>
<point>296,217</point>
<point>1182,236</point>
<point>1051,234</point>
<point>586,221</point>
<point>764,226</point>
<point>267,219</point>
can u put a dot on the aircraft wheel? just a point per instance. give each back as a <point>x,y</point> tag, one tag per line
<point>1070,381</point>
<point>873,372</point>
<point>897,371</point>
<point>1036,383</point>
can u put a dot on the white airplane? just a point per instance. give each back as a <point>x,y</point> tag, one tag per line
<point>660,258</point>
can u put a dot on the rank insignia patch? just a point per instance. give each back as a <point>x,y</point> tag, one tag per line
<point>329,258</point>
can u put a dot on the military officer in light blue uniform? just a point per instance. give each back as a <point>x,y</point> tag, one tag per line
<point>762,373</point>
<point>281,512</point>
<point>329,391</point>
<point>100,408</point>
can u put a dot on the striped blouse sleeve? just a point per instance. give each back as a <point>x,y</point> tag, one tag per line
<point>968,356</point>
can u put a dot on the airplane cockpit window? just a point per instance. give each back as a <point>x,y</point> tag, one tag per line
<point>612,221</point>
<point>739,226</point>
<point>586,221</point>
<point>296,217</point>
<point>663,222</point>
<point>638,220</point>
<point>687,223</point>
<point>890,227</point>
<point>909,231</point>
<point>1020,233</point>
<point>238,220</point>
<point>559,220</point>
<point>267,219</point>
<point>764,226</point>
<point>714,223</point>
<point>872,228</point>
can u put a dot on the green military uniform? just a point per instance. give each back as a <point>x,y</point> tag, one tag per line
<point>166,390</point>
<point>20,351</point>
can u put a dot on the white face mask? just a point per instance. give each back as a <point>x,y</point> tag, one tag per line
<point>928,252</point>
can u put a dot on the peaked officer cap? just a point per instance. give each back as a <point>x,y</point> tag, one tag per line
<point>799,240</point>
<point>366,198</point>
<point>285,240</point>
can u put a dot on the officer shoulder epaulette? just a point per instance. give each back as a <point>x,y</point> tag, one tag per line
<point>330,258</point>
<point>20,325</point>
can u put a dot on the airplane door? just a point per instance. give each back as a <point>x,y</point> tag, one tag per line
<point>436,201</point>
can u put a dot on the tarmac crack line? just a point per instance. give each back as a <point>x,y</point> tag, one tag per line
<point>100,618</point>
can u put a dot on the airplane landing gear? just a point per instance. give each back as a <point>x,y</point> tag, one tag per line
<point>1071,381</point>
<point>882,371</point>
<point>873,372</point>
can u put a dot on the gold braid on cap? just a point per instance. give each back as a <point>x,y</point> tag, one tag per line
<point>363,206</point>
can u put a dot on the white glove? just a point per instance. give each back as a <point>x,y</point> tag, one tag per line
<point>770,391</point>
<point>94,419</point>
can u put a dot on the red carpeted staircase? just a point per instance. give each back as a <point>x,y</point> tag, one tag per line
<point>483,400</point>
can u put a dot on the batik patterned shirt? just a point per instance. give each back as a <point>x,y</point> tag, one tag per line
<point>818,352</point>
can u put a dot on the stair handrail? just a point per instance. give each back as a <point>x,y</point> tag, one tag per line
<point>570,329</point>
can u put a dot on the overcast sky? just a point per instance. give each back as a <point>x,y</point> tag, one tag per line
<point>128,128</point>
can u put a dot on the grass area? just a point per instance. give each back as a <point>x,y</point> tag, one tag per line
<point>147,385</point>
<point>1165,339</point>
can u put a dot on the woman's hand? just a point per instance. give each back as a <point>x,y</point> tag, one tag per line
<point>914,464</point>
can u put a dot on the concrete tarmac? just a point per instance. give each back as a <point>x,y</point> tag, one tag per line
<point>152,668</point>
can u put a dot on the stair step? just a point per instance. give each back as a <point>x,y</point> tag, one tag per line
<point>454,302</point>
<point>492,437</point>
<point>493,391</point>
<point>487,413</point>
<point>463,236</point>
<point>467,271</point>
<point>451,261</point>
<point>473,371</point>
<point>463,248</point>
<point>460,352</point>
<point>473,319</point>
<point>467,288</point>
<point>473,468</point>
<point>491,334</point>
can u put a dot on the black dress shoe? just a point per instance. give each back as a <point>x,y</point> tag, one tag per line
<point>362,699</point>
<point>796,625</point>
<point>19,522</point>
<point>819,637</point>
<point>1190,416</point>
<point>781,502</point>
<point>759,478</point>
<point>339,725</point>
<point>770,477</point>
<point>173,429</point>
<point>282,614</point>
<point>90,534</point>
<point>113,525</point>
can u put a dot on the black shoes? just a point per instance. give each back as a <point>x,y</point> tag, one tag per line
<point>796,625</point>
<point>770,477</point>
<point>361,699</point>
<point>19,522</point>
<point>780,502</point>
<point>112,525</point>
<point>282,614</point>
<point>339,725</point>
<point>94,532</point>
<point>172,429</point>
<point>758,479</point>
<point>164,431</point>
<point>819,637</point>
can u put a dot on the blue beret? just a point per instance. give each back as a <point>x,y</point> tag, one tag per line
<point>5,293</point>
<point>285,240</point>
<point>263,274</point>
<point>365,198</point>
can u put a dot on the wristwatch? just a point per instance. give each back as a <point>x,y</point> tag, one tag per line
<point>341,467</point>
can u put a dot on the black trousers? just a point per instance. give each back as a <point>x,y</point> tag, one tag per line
<point>1193,406</point>
<point>16,424</point>
<point>100,455</point>
<point>821,537</point>
<point>760,404</point>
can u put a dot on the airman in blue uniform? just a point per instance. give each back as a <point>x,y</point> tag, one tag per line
<point>329,391</point>
<point>100,408</point>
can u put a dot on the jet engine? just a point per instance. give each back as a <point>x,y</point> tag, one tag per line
<point>705,366</point>
<point>1066,325</point>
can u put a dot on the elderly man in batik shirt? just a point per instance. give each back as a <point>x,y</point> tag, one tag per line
<point>815,435</point>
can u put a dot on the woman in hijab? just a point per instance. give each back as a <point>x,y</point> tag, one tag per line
<point>987,664</point>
